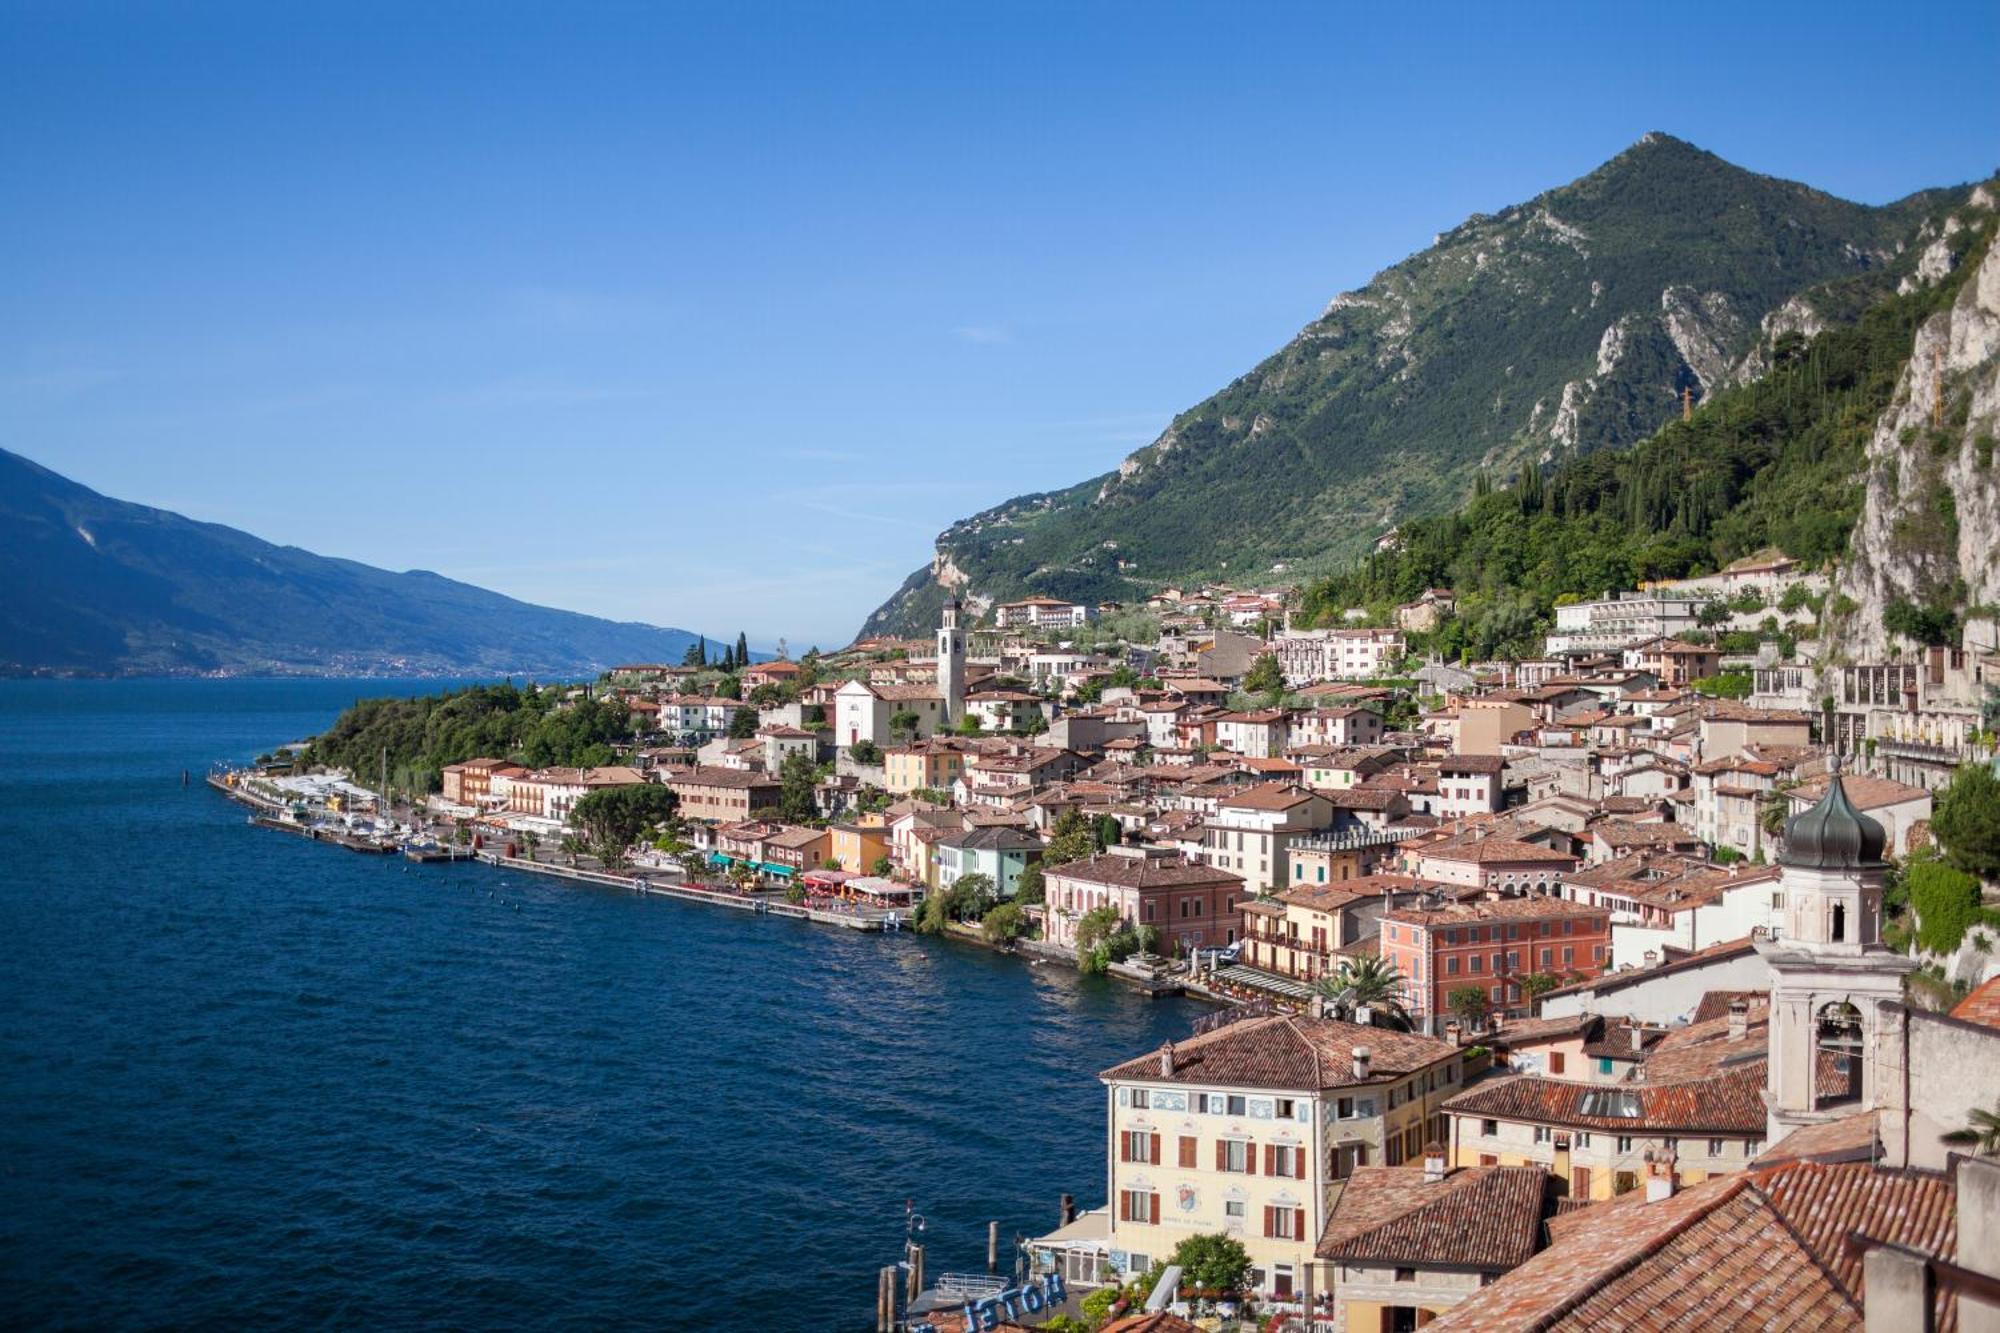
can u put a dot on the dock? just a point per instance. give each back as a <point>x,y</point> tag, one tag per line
<point>860,918</point>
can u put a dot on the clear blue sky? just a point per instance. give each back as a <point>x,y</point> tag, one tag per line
<point>715,316</point>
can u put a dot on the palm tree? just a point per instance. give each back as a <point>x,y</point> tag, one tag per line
<point>572,848</point>
<point>1373,983</point>
<point>1981,1133</point>
<point>1774,809</point>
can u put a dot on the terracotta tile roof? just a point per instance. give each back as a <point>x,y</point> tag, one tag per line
<point>1497,909</point>
<point>1715,1256</point>
<point>1823,1202</point>
<point>1141,872</point>
<point>1715,1003</point>
<point>1289,1053</point>
<point>1268,796</point>
<point>1486,1217</point>
<point>1159,1321</point>
<point>1982,1006</point>
<point>1502,850</point>
<point>1864,792</point>
<point>1850,1138</point>
<point>1728,1102</point>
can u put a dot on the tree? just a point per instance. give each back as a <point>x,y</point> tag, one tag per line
<point>611,819</point>
<point>904,723</point>
<point>972,895</point>
<point>865,752</point>
<point>696,654</point>
<point>1107,832</point>
<point>1712,613</point>
<point>1265,676</point>
<point>1469,1005</point>
<point>743,724</point>
<point>1981,1132</point>
<point>1071,838</point>
<point>1212,1262</point>
<point>798,788</point>
<point>742,649</point>
<point>1967,821</point>
<point>1539,983</point>
<point>572,847</point>
<point>1774,808</point>
<point>1004,922</point>
<point>1029,885</point>
<point>1372,982</point>
<point>883,867</point>
<point>1096,925</point>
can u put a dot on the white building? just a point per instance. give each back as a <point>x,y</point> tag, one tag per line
<point>1612,624</point>
<point>1040,613</point>
<point>1310,655</point>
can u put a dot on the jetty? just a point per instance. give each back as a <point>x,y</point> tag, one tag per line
<point>760,904</point>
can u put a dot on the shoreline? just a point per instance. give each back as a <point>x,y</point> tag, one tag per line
<point>871,920</point>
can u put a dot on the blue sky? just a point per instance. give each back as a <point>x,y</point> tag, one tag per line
<point>714,316</point>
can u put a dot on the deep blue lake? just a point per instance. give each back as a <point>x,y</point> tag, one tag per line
<point>249,1079</point>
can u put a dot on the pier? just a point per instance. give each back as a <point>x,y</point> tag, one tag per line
<point>859,918</point>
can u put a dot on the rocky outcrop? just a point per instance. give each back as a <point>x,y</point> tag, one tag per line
<point>1930,530</point>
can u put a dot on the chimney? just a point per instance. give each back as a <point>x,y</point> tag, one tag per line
<point>1362,1058</point>
<point>1166,1060</point>
<point>1638,1039</point>
<point>1739,1019</point>
<point>1433,1163</point>
<point>1453,1032</point>
<point>1364,1015</point>
<point>1659,1175</point>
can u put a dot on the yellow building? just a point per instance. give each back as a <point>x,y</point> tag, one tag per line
<point>934,764</point>
<point>1696,1102</point>
<point>1248,1130</point>
<point>859,846</point>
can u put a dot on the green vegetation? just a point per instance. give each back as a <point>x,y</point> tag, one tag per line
<point>1004,922</point>
<point>1967,821</point>
<point>535,727</point>
<point>1215,1263</point>
<point>1104,938</point>
<point>1265,677</point>
<point>1371,982</point>
<point>1776,462</point>
<point>1469,1005</point>
<point>1946,900</point>
<point>611,819</point>
<point>1388,405</point>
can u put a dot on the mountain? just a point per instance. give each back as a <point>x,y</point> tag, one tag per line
<point>1574,322</point>
<point>97,586</point>
<point>1865,446</point>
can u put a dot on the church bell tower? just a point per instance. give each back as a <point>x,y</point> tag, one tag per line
<point>951,663</point>
<point>1832,978</point>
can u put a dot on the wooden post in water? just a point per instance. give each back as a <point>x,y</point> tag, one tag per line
<point>916,1272</point>
<point>1068,1209</point>
<point>992,1247</point>
<point>885,1299</point>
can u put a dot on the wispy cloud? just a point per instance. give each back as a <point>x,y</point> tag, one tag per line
<point>984,335</point>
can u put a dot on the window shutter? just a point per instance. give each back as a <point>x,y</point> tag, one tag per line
<point>1250,1158</point>
<point>1156,1209</point>
<point>1299,1156</point>
<point>1156,1150</point>
<point>1270,1220</point>
<point>1298,1224</point>
<point>1270,1159</point>
<point>1221,1155</point>
<point>1187,1153</point>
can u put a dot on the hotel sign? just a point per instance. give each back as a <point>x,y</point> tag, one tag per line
<point>1038,1296</point>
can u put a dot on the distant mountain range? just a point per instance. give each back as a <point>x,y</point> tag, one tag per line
<point>96,586</point>
<point>1579,320</point>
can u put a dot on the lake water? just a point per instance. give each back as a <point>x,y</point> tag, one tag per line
<point>249,1079</point>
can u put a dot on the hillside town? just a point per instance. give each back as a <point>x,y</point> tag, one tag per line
<point>1641,972</point>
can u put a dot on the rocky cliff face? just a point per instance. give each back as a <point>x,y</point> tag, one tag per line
<point>1573,322</point>
<point>1929,533</point>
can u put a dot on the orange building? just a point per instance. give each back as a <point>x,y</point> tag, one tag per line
<point>1493,944</point>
